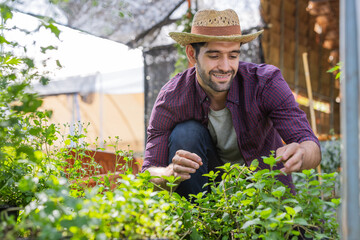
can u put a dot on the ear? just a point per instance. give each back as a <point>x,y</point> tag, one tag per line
<point>190,53</point>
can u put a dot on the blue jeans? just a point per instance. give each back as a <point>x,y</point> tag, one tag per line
<point>192,136</point>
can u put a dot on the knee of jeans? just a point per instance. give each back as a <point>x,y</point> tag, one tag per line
<point>190,133</point>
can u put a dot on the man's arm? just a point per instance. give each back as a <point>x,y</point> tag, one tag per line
<point>299,156</point>
<point>302,151</point>
<point>183,164</point>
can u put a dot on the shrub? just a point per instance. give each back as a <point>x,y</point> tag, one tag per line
<point>249,204</point>
<point>132,211</point>
<point>246,204</point>
<point>24,132</point>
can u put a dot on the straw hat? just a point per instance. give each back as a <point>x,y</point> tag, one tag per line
<point>211,25</point>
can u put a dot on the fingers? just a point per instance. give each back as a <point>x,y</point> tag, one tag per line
<point>185,163</point>
<point>188,155</point>
<point>294,163</point>
<point>183,176</point>
<point>292,155</point>
<point>287,151</point>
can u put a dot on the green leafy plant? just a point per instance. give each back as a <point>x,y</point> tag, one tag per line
<point>336,70</point>
<point>245,204</point>
<point>249,204</point>
<point>182,62</point>
<point>131,211</point>
<point>24,130</point>
<point>331,158</point>
<point>85,167</point>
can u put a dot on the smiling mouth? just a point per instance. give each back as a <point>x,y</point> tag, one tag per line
<point>222,76</point>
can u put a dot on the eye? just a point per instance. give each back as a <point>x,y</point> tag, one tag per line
<point>213,56</point>
<point>234,56</point>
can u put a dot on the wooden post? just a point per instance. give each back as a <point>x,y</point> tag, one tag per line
<point>311,101</point>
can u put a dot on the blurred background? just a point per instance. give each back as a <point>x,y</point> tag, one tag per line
<point>112,57</point>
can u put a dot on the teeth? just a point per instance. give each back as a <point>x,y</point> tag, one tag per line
<point>220,76</point>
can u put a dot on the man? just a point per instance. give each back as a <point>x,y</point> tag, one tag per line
<point>223,110</point>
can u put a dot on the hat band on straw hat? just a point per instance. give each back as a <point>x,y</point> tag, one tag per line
<point>216,31</point>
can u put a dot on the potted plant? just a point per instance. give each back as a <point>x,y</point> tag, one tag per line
<point>92,167</point>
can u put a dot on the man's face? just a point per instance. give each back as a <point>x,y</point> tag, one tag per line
<point>216,65</point>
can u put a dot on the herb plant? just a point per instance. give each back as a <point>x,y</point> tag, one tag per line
<point>249,204</point>
<point>245,204</point>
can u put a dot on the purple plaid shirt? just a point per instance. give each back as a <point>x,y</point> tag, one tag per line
<point>263,108</point>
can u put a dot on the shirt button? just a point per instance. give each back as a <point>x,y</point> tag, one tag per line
<point>205,116</point>
<point>207,99</point>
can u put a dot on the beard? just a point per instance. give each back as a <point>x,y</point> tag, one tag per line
<point>208,81</point>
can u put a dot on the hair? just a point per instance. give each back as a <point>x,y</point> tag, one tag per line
<point>197,47</point>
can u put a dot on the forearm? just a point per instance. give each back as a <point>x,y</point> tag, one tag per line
<point>312,157</point>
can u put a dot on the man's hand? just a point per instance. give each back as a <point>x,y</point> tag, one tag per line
<point>292,155</point>
<point>184,163</point>
<point>297,157</point>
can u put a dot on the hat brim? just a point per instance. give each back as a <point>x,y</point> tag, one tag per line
<point>187,38</point>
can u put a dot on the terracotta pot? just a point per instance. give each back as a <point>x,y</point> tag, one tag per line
<point>109,162</point>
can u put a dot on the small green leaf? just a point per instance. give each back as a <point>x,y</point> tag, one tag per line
<point>297,209</point>
<point>338,75</point>
<point>44,49</point>
<point>266,213</point>
<point>314,183</point>
<point>225,217</point>
<point>3,40</point>
<point>271,161</point>
<point>290,200</point>
<point>171,184</point>
<point>254,165</point>
<point>246,202</point>
<point>280,216</point>
<point>107,181</point>
<point>52,28</point>
<point>279,192</point>
<point>300,221</point>
<point>333,69</point>
<point>13,61</point>
<point>67,142</point>
<point>250,192</point>
<point>249,223</point>
<point>290,210</point>
<point>269,199</point>
<point>44,80</point>
<point>336,201</point>
<point>58,63</point>
<point>308,172</point>
<point>273,225</point>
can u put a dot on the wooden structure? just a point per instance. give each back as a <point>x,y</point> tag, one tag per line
<point>301,26</point>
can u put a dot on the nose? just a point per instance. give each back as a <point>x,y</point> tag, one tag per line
<point>224,64</point>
